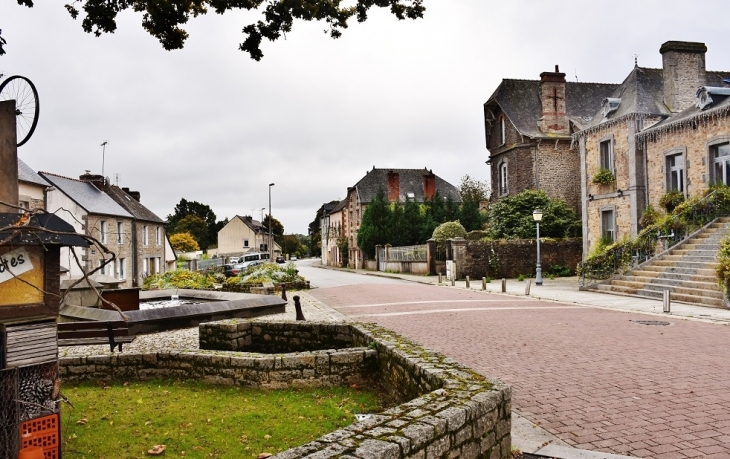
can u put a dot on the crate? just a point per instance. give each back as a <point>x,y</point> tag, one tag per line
<point>43,432</point>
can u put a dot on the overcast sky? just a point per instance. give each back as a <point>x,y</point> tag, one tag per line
<point>209,124</point>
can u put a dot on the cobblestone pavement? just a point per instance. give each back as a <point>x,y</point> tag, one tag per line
<point>595,378</point>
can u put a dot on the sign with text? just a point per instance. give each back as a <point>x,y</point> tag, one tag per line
<point>21,275</point>
<point>15,263</point>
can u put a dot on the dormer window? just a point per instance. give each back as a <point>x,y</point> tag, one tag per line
<point>410,197</point>
<point>704,99</point>
<point>609,105</point>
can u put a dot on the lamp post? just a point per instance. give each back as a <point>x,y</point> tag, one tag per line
<point>271,241</point>
<point>537,216</point>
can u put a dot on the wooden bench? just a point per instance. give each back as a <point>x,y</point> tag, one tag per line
<point>114,333</point>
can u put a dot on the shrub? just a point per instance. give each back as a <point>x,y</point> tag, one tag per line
<point>649,217</point>
<point>723,267</point>
<point>179,278</point>
<point>184,242</point>
<point>671,199</point>
<point>448,230</point>
<point>511,217</point>
<point>604,177</point>
<point>266,272</point>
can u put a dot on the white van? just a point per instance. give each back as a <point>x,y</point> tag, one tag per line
<point>254,258</point>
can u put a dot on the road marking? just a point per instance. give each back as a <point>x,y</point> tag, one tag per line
<point>401,303</point>
<point>437,311</point>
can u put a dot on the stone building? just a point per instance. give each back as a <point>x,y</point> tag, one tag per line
<point>399,185</point>
<point>117,219</point>
<point>528,125</point>
<point>660,130</point>
<point>243,234</point>
<point>31,188</point>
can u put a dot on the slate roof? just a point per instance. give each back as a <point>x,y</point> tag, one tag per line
<point>255,225</point>
<point>86,195</point>
<point>28,175</point>
<point>520,101</point>
<point>131,205</point>
<point>341,205</point>
<point>410,181</point>
<point>25,235</point>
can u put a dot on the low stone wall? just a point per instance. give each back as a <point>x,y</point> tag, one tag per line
<point>512,257</point>
<point>448,410</point>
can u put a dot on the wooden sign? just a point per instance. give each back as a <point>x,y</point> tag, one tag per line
<point>21,275</point>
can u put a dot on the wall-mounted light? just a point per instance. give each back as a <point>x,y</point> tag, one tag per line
<point>619,192</point>
<point>590,197</point>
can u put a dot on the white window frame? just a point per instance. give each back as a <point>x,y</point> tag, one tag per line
<point>145,267</point>
<point>103,233</point>
<point>158,236</point>
<point>122,269</point>
<point>610,231</point>
<point>678,170</point>
<point>607,158</point>
<point>145,236</point>
<point>503,178</point>
<point>502,131</point>
<point>102,268</point>
<point>120,233</point>
<point>713,147</point>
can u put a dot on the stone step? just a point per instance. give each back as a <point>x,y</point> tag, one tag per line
<point>690,258</point>
<point>646,282</point>
<point>694,299</point>
<point>701,251</point>
<point>690,246</point>
<point>686,264</point>
<point>673,276</point>
<point>679,270</point>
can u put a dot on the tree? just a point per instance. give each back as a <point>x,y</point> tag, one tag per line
<point>511,217</point>
<point>163,19</point>
<point>448,230</point>
<point>434,213</point>
<point>375,226</point>
<point>185,208</point>
<point>277,229</point>
<point>184,242</point>
<point>290,244</point>
<point>472,193</point>
<point>195,227</point>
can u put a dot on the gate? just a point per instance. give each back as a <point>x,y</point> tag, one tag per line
<point>381,259</point>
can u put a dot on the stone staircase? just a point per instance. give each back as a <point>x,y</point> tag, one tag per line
<point>687,270</point>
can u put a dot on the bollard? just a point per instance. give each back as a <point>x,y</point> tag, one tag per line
<point>298,307</point>
<point>439,278</point>
<point>283,292</point>
<point>666,304</point>
<point>527,287</point>
<point>467,282</point>
<point>484,283</point>
<point>504,285</point>
<point>453,281</point>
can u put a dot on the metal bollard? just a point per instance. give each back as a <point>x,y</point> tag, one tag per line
<point>453,281</point>
<point>666,303</point>
<point>467,282</point>
<point>440,280</point>
<point>298,308</point>
<point>484,283</point>
<point>504,285</point>
<point>283,292</point>
<point>527,287</point>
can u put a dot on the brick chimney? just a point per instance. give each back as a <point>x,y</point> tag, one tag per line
<point>683,65</point>
<point>95,179</point>
<point>429,185</point>
<point>554,118</point>
<point>393,186</point>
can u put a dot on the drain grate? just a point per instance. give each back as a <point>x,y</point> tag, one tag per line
<point>651,322</point>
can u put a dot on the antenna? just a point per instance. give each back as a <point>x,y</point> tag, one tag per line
<point>636,60</point>
<point>103,154</point>
<point>116,178</point>
<point>576,74</point>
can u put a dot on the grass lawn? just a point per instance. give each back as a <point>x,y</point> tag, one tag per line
<point>197,420</point>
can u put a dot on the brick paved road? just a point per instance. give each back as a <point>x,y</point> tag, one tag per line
<point>592,377</point>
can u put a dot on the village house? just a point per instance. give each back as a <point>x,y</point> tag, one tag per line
<point>242,235</point>
<point>660,130</point>
<point>132,232</point>
<point>528,126</point>
<point>331,226</point>
<point>399,185</point>
<point>31,188</point>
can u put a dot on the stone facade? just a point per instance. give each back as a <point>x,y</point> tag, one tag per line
<point>446,409</point>
<point>121,268</point>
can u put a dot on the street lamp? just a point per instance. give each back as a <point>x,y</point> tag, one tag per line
<point>537,216</point>
<point>271,241</point>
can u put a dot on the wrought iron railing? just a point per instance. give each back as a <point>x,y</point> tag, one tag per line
<point>685,220</point>
<point>408,253</point>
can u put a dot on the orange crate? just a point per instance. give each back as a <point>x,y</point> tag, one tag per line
<point>41,432</point>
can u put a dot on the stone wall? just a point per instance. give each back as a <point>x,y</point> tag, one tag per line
<point>512,257</point>
<point>447,409</point>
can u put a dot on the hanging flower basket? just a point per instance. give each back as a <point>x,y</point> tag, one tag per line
<point>604,177</point>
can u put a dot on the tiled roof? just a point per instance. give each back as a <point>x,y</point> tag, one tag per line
<point>255,225</point>
<point>28,175</point>
<point>341,205</point>
<point>131,205</point>
<point>520,101</point>
<point>86,195</point>
<point>410,181</point>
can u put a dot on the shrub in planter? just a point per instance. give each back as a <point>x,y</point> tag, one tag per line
<point>649,217</point>
<point>671,199</point>
<point>604,177</point>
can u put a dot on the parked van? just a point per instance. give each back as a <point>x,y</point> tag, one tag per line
<point>254,258</point>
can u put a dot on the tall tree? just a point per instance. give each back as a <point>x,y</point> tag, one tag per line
<point>472,193</point>
<point>196,227</point>
<point>434,213</point>
<point>203,211</point>
<point>277,229</point>
<point>511,217</point>
<point>184,242</point>
<point>163,19</point>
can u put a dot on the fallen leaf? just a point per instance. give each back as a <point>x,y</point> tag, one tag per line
<point>82,421</point>
<point>264,455</point>
<point>156,450</point>
<point>266,437</point>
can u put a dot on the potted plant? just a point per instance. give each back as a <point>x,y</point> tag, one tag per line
<point>604,177</point>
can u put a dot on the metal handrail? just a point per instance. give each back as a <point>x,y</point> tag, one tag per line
<point>624,256</point>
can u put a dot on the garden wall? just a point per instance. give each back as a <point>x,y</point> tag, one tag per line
<point>447,411</point>
<point>512,257</point>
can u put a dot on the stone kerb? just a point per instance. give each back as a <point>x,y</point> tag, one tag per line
<point>447,409</point>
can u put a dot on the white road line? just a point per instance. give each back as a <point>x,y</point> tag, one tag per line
<point>431,302</point>
<point>437,311</point>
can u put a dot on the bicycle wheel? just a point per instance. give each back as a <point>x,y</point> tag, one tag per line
<point>27,108</point>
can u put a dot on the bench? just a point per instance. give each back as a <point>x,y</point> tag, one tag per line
<point>115,333</point>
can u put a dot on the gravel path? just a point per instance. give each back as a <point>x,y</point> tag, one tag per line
<point>187,339</point>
